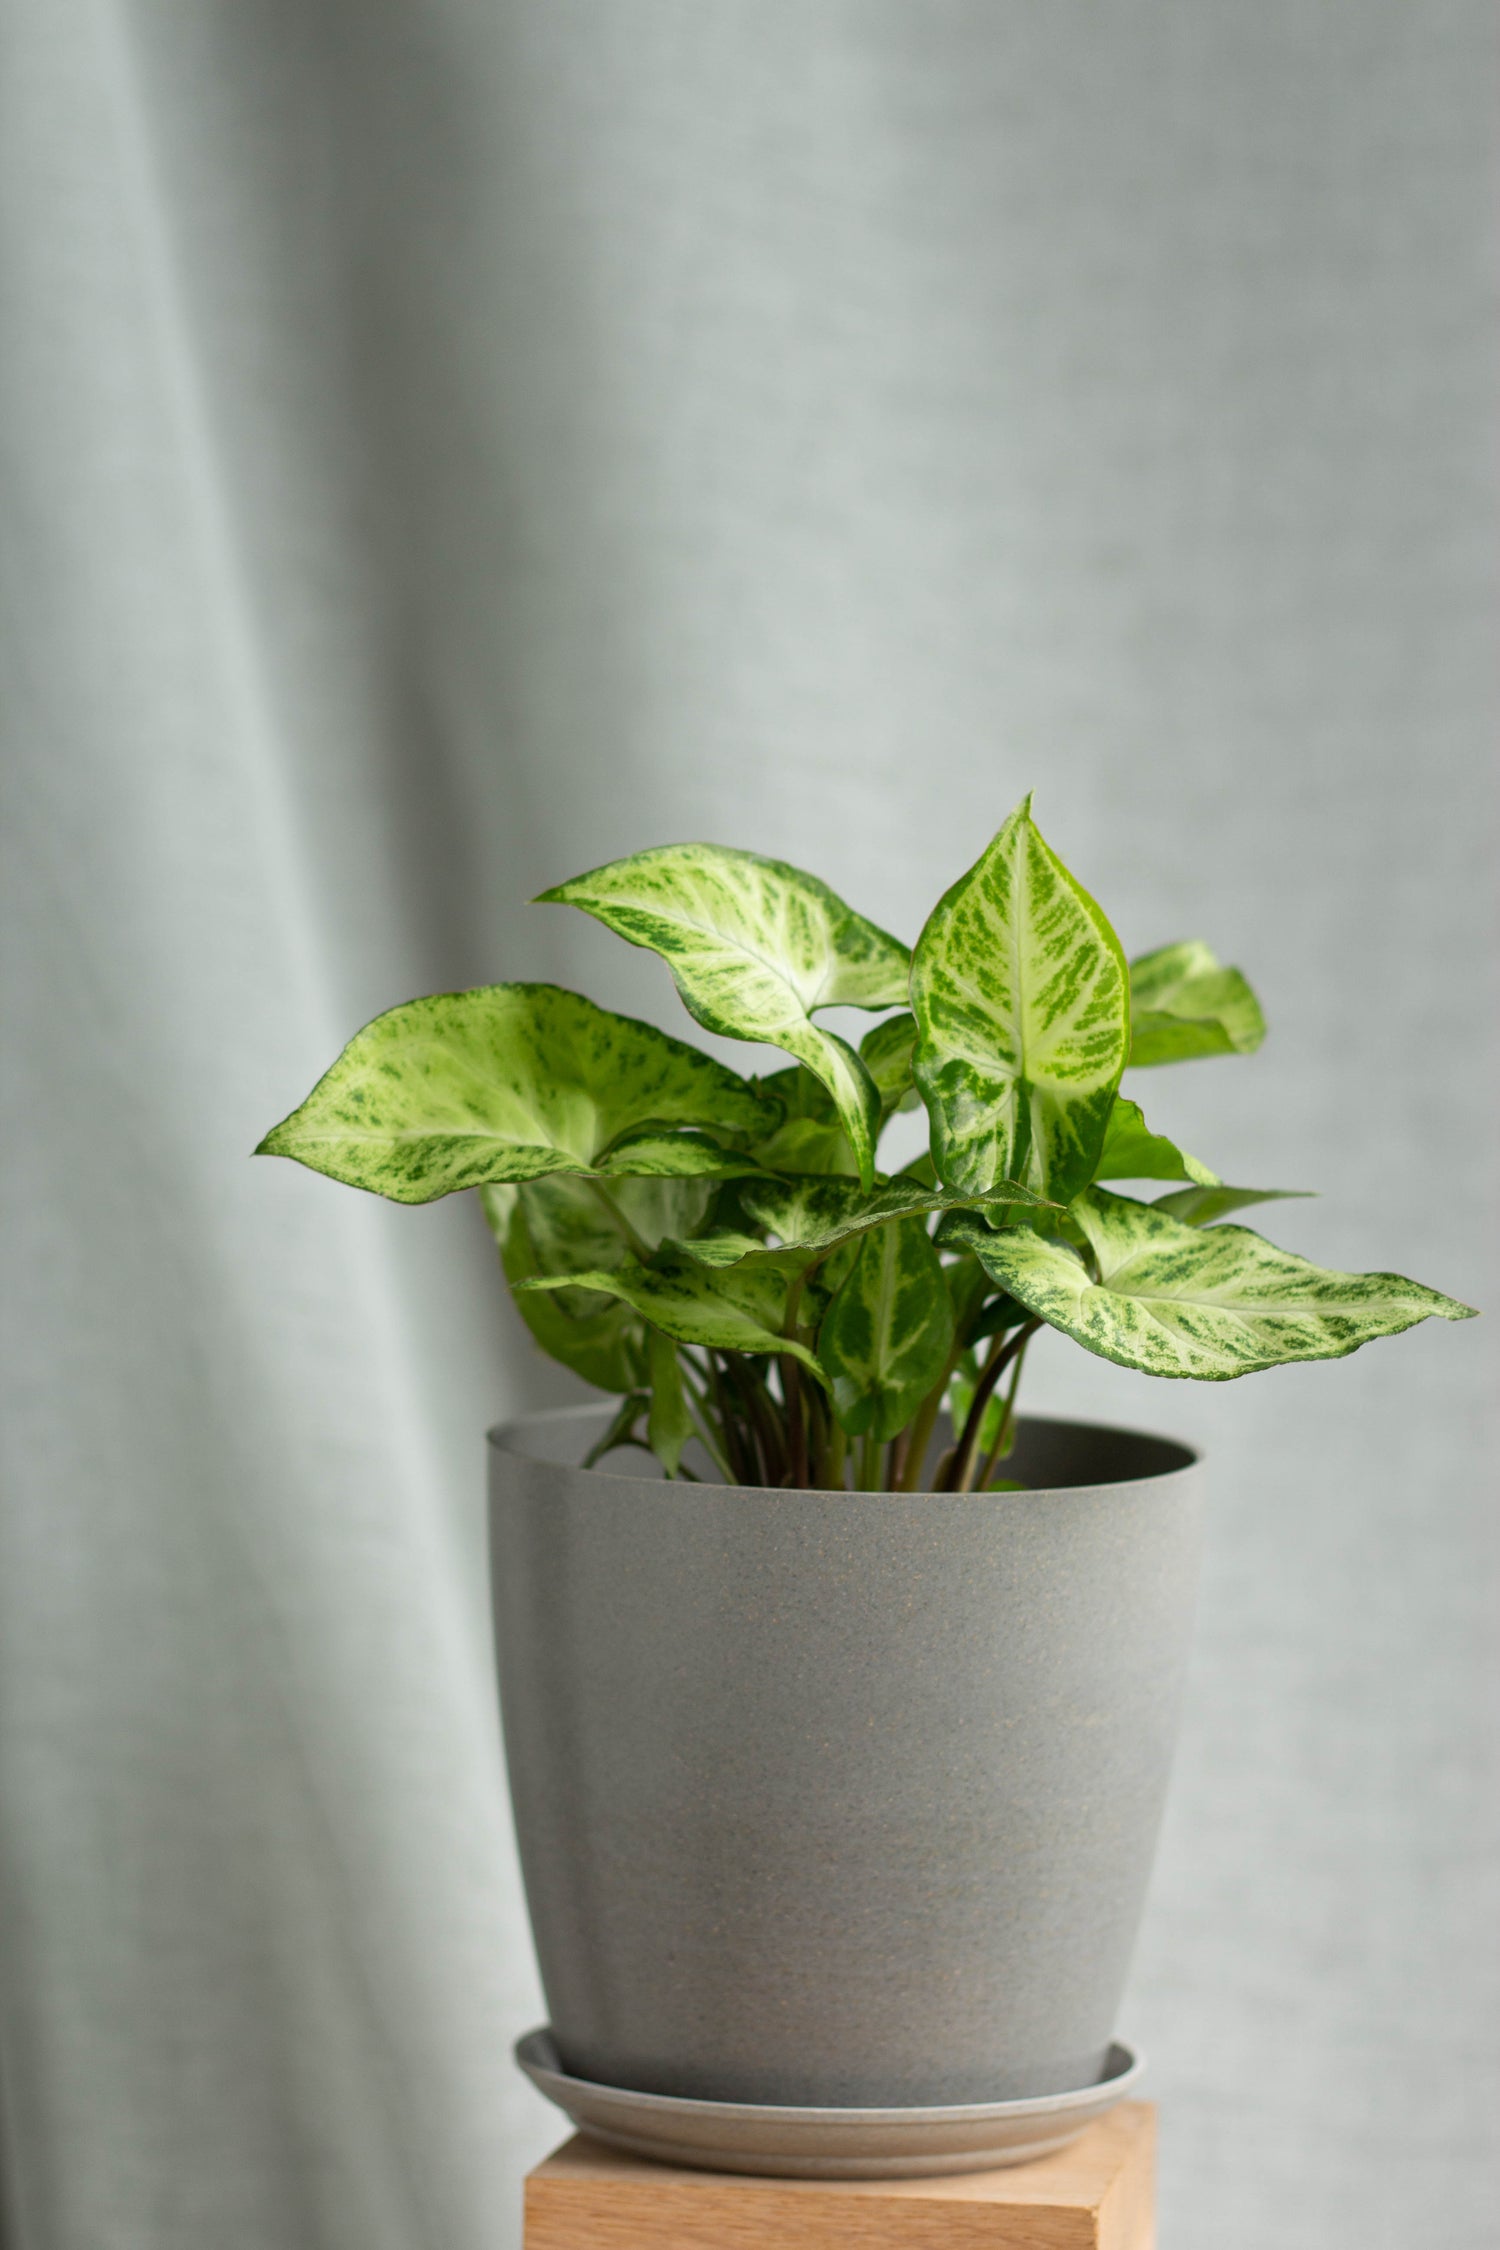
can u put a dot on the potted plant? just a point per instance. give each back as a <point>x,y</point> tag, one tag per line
<point>839,1698</point>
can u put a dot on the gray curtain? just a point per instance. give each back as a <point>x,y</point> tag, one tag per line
<point>447,445</point>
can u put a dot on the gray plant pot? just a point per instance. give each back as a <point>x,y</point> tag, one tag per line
<point>839,1799</point>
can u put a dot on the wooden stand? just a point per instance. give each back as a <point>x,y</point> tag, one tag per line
<point>1096,2194</point>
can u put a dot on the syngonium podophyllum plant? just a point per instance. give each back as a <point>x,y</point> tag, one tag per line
<point>726,1254</point>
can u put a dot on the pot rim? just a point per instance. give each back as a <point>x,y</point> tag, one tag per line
<point>509,1436</point>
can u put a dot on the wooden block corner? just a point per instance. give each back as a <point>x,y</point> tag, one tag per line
<point>1096,2194</point>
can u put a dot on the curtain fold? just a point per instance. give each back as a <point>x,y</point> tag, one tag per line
<point>446,446</point>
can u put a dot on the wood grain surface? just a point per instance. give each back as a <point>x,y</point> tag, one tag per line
<point>1095,2195</point>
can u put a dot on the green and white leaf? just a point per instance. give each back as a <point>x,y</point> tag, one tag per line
<point>1020,992</point>
<point>810,1138</point>
<point>1183,1301</point>
<point>756,948</point>
<point>562,1226</point>
<point>661,1209</point>
<point>1204,1206</point>
<point>886,1052</point>
<point>1132,1151</point>
<point>556,1226</point>
<point>673,1156</point>
<point>886,1337</point>
<point>509,1082</point>
<point>738,1311</point>
<point>1184,1003</point>
<point>812,1215</point>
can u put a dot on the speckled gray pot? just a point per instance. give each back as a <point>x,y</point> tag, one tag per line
<point>839,1799</point>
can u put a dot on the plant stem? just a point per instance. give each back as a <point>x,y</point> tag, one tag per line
<point>703,1422</point>
<point>739,1435</point>
<point>725,1450</point>
<point>760,1417</point>
<point>919,1430</point>
<point>796,1423</point>
<point>868,1478</point>
<point>791,1392</point>
<point>962,1471</point>
<point>1002,1442</point>
<point>829,1445</point>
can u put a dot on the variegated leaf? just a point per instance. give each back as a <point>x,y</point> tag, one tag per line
<point>1132,1151</point>
<point>886,1052</point>
<point>555,1224</point>
<point>813,1214</point>
<point>563,1226</point>
<point>738,1311</point>
<point>809,1138</point>
<point>1184,1003</point>
<point>755,948</point>
<point>509,1082</point>
<point>886,1336</point>
<point>673,1156</point>
<point>1020,992</point>
<point>1209,1303</point>
<point>1204,1206</point>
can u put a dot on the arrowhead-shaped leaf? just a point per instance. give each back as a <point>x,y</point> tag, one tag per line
<point>886,1337</point>
<point>1020,992</point>
<point>1203,1206</point>
<point>1132,1151</point>
<point>1210,1303</point>
<point>738,1311</point>
<point>509,1082</point>
<point>813,1214</point>
<point>1184,1003</point>
<point>560,1227</point>
<point>755,948</point>
<point>810,1138</point>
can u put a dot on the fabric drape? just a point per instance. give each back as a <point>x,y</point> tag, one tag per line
<point>449,445</point>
